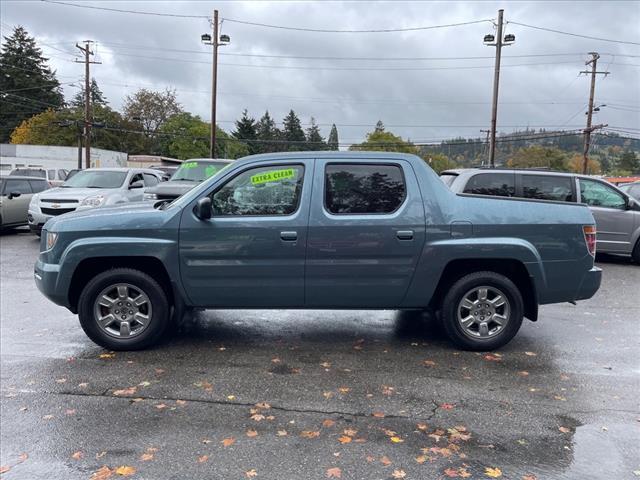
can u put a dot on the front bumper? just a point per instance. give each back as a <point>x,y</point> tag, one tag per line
<point>46,277</point>
<point>37,220</point>
<point>590,284</point>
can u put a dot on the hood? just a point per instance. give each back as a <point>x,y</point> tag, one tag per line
<point>73,193</point>
<point>127,217</point>
<point>172,188</point>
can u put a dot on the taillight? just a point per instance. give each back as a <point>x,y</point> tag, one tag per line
<point>590,238</point>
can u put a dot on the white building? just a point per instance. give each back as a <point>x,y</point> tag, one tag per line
<point>50,157</point>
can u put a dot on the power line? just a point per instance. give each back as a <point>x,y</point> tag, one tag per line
<point>118,10</point>
<point>574,34</point>
<point>36,88</point>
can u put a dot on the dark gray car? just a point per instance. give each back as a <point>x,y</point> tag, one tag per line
<point>190,173</point>
<point>616,212</point>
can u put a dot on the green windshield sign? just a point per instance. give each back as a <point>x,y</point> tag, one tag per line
<point>273,176</point>
<point>189,165</point>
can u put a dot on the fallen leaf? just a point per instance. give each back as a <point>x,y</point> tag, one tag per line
<point>231,397</point>
<point>523,373</point>
<point>530,354</point>
<point>327,395</point>
<point>47,417</point>
<point>560,398</point>
<point>100,455</point>
<point>4,469</point>
<point>325,364</point>
<point>378,414</point>
<point>282,433</point>
<point>145,457</point>
<point>531,476</point>
<point>251,433</point>
<point>422,426</point>
<point>334,472</point>
<point>328,423</point>
<point>395,439</point>
<point>263,405</point>
<point>344,439</point>
<point>492,472</point>
<point>70,411</point>
<point>125,471</point>
<point>344,389</point>
<point>161,406</point>
<point>447,406</point>
<point>493,357</point>
<point>107,355</point>
<point>227,442</point>
<point>429,363</point>
<point>309,434</point>
<point>125,391</point>
<point>203,458</point>
<point>159,370</point>
<point>350,432</point>
<point>385,461</point>
<point>77,455</point>
<point>181,402</point>
<point>564,429</point>
<point>399,474</point>
<point>61,380</point>
<point>251,473</point>
<point>421,459</point>
<point>144,384</point>
<point>257,417</point>
<point>206,386</point>
<point>102,473</point>
<point>276,360</point>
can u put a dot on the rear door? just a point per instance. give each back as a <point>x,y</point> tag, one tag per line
<point>499,184</point>
<point>560,188</point>
<point>366,233</point>
<point>614,222</point>
<point>251,253</point>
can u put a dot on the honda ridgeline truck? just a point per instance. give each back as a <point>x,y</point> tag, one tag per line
<point>329,230</point>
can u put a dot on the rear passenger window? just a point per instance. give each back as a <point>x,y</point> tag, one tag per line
<point>496,184</point>
<point>52,174</point>
<point>547,187</point>
<point>363,189</point>
<point>17,186</point>
<point>38,185</point>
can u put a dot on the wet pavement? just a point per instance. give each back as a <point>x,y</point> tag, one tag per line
<point>320,394</point>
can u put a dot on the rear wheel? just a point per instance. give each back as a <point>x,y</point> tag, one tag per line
<point>482,311</point>
<point>123,309</point>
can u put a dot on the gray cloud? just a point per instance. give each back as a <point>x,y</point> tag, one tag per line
<point>397,97</point>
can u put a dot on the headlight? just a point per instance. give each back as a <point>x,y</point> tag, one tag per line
<point>52,237</point>
<point>95,201</point>
<point>150,196</point>
<point>34,202</point>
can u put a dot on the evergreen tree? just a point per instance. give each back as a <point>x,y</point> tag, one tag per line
<point>28,84</point>
<point>97,97</point>
<point>268,134</point>
<point>314,138</point>
<point>333,138</point>
<point>292,132</point>
<point>379,127</point>
<point>629,162</point>
<point>246,130</point>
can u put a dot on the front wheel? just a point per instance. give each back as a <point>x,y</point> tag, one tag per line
<point>123,309</point>
<point>482,311</point>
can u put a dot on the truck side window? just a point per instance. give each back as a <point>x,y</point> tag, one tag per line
<point>18,186</point>
<point>363,189</point>
<point>496,184</point>
<point>38,185</point>
<point>547,187</point>
<point>597,194</point>
<point>273,190</point>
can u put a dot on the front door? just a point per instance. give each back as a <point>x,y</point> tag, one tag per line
<point>251,252</point>
<point>366,233</point>
<point>14,210</point>
<point>614,222</point>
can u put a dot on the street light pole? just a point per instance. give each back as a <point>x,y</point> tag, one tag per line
<point>214,85</point>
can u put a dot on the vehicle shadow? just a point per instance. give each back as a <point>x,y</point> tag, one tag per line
<point>612,258</point>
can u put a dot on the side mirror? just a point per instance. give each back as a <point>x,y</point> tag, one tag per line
<point>137,184</point>
<point>202,209</point>
<point>14,195</point>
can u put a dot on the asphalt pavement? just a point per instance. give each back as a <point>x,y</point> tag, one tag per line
<point>272,394</point>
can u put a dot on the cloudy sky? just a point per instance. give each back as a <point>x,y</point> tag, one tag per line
<point>424,84</point>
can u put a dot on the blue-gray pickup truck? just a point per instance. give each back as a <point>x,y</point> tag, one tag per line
<point>331,230</point>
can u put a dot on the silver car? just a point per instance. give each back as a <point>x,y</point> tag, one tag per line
<point>617,214</point>
<point>90,188</point>
<point>632,189</point>
<point>15,194</point>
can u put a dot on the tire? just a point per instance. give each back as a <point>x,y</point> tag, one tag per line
<point>116,290</point>
<point>636,252</point>
<point>483,331</point>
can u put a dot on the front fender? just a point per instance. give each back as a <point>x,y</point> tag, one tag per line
<point>437,254</point>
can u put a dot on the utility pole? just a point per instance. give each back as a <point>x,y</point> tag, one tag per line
<point>486,144</point>
<point>590,128</point>
<point>216,41</point>
<point>87,100</point>
<point>499,43</point>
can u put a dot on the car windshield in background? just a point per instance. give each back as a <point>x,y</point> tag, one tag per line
<point>448,178</point>
<point>29,172</point>
<point>632,189</point>
<point>95,179</point>
<point>197,171</point>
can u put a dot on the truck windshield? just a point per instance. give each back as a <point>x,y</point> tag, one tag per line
<point>29,172</point>
<point>198,171</point>
<point>95,179</point>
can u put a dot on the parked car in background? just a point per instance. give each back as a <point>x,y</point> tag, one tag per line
<point>616,212</point>
<point>93,187</point>
<point>167,172</point>
<point>55,176</point>
<point>16,193</point>
<point>188,175</point>
<point>632,189</point>
<point>354,230</point>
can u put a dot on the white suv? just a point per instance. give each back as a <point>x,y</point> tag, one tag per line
<point>93,187</point>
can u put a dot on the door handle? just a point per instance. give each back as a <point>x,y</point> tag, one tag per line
<point>289,236</point>
<point>404,234</point>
